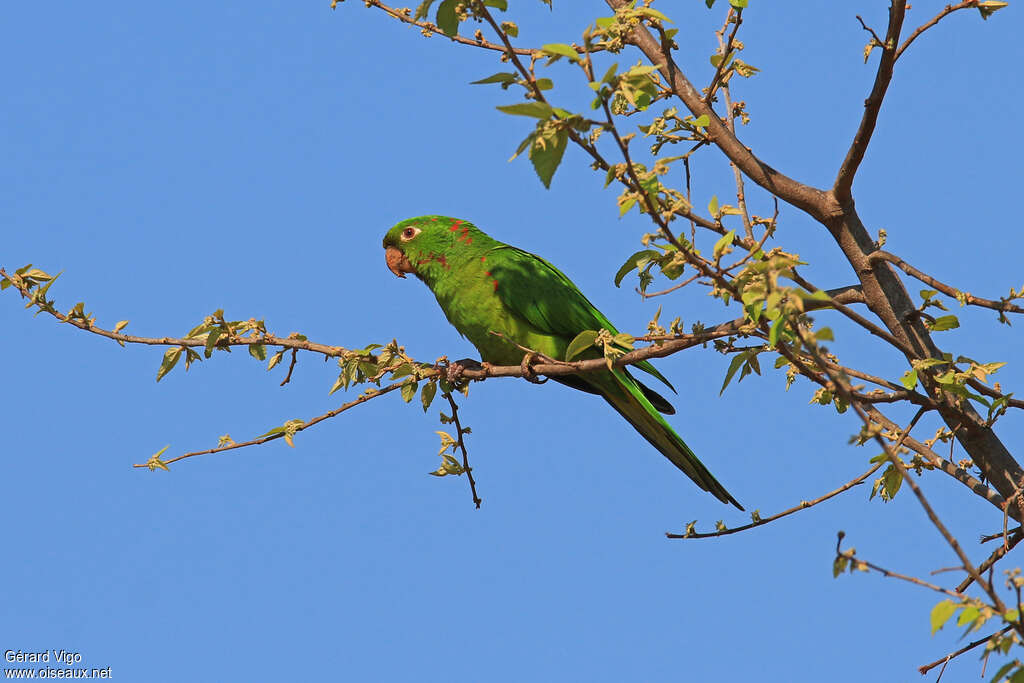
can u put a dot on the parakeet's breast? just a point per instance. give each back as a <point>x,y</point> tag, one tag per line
<point>471,298</point>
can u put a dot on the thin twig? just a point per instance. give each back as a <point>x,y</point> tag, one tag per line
<point>883,76</point>
<point>996,555</point>
<point>291,366</point>
<point>477,500</point>
<point>651,295</point>
<point>966,648</point>
<point>277,435</point>
<point>804,505</point>
<point>948,9</point>
<point>969,299</point>
<point>848,555</point>
<point>433,29</point>
<point>725,52</point>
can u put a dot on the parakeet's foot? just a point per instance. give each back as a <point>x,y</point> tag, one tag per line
<point>455,369</point>
<point>527,367</point>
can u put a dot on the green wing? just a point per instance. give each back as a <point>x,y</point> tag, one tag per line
<point>542,295</point>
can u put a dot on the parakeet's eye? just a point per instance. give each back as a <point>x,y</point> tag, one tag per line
<point>409,233</point>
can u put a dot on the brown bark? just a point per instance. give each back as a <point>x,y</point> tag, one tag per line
<point>883,290</point>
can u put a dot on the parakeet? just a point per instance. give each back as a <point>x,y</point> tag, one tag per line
<point>485,286</point>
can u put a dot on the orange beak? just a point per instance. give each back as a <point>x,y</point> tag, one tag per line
<point>398,263</point>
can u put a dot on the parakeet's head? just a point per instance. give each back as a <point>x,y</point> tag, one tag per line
<point>417,244</point>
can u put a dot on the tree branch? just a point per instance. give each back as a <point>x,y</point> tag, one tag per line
<point>433,29</point>
<point>277,435</point>
<point>966,648</point>
<point>804,505</point>
<point>805,197</point>
<point>996,555</point>
<point>873,104</point>
<point>953,292</point>
<point>461,444</point>
<point>949,9</point>
<point>849,556</point>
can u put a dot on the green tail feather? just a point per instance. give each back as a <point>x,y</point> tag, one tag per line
<point>630,402</point>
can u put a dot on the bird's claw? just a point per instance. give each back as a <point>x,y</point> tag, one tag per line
<point>455,370</point>
<point>527,367</point>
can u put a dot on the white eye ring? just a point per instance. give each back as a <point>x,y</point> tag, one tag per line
<point>409,233</point>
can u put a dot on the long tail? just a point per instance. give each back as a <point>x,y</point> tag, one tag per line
<point>630,402</point>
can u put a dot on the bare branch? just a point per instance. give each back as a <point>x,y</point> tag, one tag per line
<point>291,368</point>
<point>804,505</point>
<point>725,52</point>
<point>969,299</point>
<point>966,648</point>
<point>462,446</point>
<point>996,555</point>
<point>948,9</point>
<point>277,435</point>
<point>847,295</point>
<point>888,573</point>
<point>854,156</point>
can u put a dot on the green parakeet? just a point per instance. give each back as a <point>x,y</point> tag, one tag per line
<point>486,286</point>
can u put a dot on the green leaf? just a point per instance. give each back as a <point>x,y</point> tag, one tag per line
<point>423,10</point>
<point>580,343</point>
<point>1003,670</point>
<point>892,479</point>
<point>946,322</point>
<point>500,77</point>
<point>120,325</point>
<point>408,391</point>
<point>497,4</point>
<point>713,206</point>
<point>702,121</point>
<point>447,20</point>
<point>776,330</point>
<point>211,340</point>
<point>258,351</point>
<point>561,50</point>
<point>170,359</point>
<point>738,4</point>
<point>716,59</point>
<point>275,359</point>
<point>990,7</point>
<point>538,110</point>
<point>154,460</point>
<point>546,154</point>
<point>634,262</point>
<point>737,361</point>
<point>941,614</point>
<point>909,379</point>
<point>968,615</point>
<point>427,394</point>
<point>724,245</point>
<point>626,206</point>
<point>825,334</point>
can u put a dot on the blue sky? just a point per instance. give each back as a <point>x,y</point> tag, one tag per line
<point>176,159</point>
